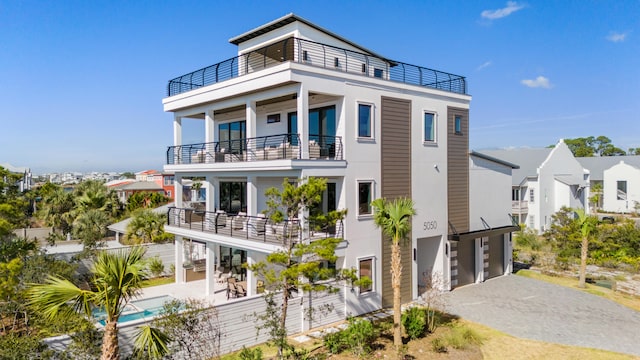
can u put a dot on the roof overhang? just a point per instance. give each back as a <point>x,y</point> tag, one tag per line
<point>483,233</point>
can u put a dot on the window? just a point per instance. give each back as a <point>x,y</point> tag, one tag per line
<point>336,62</point>
<point>233,197</point>
<point>515,194</point>
<point>531,195</point>
<point>305,55</point>
<point>377,73</point>
<point>231,136</point>
<point>364,68</point>
<point>364,120</point>
<point>365,267</point>
<point>168,193</point>
<point>365,189</point>
<point>168,180</point>
<point>292,127</point>
<point>429,128</point>
<point>273,118</point>
<point>532,223</point>
<point>622,190</point>
<point>457,120</point>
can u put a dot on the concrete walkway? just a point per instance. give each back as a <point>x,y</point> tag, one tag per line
<point>537,310</point>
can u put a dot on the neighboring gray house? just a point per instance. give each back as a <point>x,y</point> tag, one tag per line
<point>547,180</point>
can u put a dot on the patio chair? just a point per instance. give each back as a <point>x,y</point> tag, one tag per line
<point>231,288</point>
<point>221,218</point>
<point>240,290</point>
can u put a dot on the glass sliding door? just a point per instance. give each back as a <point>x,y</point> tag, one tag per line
<point>233,197</point>
<point>322,131</point>
<point>231,136</point>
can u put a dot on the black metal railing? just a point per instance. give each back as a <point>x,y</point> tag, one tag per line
<point>319,55</point>
<point>272,147</point>
<point>246,227</point>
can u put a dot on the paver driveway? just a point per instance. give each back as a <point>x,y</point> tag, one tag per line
<point>533,309</point>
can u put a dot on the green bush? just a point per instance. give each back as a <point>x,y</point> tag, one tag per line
<point>250,354</point>
<point>414,322</point>
<point>357,338</point>
<point>528,238</point>
<point>156,267</point>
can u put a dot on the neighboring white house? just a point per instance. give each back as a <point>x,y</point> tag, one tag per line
<point>547,180</point>
<point>618,177</point>
<point>26,181</point>
<point>300,101</point>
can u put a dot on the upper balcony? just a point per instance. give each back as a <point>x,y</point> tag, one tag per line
<point>519,207</point>
<point>273,147</point>
<point>318,55</point>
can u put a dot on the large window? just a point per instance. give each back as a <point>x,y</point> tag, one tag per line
<point>292,127</point>
<point>365,122</point>
<point>365,267</point>
<point>429,127</point>
<point>233,197</point>
<point>622,190</point>
<point>365,192</point>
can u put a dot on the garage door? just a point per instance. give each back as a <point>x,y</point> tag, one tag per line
<point>466,262</point>
<point>496,255</point>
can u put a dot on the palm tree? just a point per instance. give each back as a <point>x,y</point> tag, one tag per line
<point>91,226</point>
<point>116,279</point>
<point>394,218</point>
<point>56,210</point>
<point>587,225</point>
<point>145,227</point>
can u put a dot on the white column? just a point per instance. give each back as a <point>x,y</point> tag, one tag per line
<point>209,137</point>
<point>177,130</point>
<point>251,119</point>
<point>179,256</point>
<point>251,281</point>
<point>211,191</point>
<point>211,260</point>
<point>252,196</point>
<point>302,109</point>
<point>177,190</point>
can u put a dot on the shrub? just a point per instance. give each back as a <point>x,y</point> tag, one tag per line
<point>357,338</point>
<point>335,342</point>
<point>156,267</point>
<point>528,238</point>
<point>461,337</point>
<point>250,354</point>
<point>414,322</point>
<point>439,345</point>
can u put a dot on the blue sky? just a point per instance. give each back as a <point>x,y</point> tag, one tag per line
<point>81,82</point>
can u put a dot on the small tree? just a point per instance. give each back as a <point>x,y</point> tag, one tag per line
<point>394,218</point>
<point>297,266</point>
<point>587,226</point>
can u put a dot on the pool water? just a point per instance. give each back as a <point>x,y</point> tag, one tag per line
<point>136,310</point>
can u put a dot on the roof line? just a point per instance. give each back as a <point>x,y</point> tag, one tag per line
<point>288,19</point>
<point>495,160</point>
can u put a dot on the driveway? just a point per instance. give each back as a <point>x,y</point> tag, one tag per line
<point>533,309</point>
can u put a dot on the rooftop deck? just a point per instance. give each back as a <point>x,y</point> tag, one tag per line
<point>317,55</point>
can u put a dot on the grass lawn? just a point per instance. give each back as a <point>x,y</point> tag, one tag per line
<point>629,301</point>
<point>163,280</point>
<point>495,345</point>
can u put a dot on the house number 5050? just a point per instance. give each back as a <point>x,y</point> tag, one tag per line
<point>430,225</point>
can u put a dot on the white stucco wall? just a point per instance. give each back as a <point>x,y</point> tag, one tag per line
<point>489,193</point>
<point>621,172</point>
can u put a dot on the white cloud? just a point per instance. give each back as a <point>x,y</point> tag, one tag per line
<point>486,64</point>
<point>617,37</point>
<point>511,7</point>
<point>539,82</point>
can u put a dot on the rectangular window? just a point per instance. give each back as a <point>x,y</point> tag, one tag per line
<point>168,180</point>
<point>336,62</point>
<point>305,55</point>
<point>292,127</point>
<point>622,190</point>
<point>532,222</point>
<point>531,195</point>
<point>364,120</point>
<point>366,269</point>
<point>273,118</point>
<point>458,124</point>
<point>429,128</point>
<point>364,68</point>
<point>377,73</point>
<point>515,194</point>
<point>365,190</point>
<point>168,193</point>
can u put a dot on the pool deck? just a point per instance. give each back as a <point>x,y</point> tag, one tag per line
<point>191,290</point>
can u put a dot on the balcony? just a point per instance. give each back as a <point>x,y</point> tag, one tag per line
<point>519,207</point>
<point>317,55</point>
<point>274,147</point>
<point>249,228</point>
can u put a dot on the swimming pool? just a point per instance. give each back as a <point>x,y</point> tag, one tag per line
<point>137,310</point>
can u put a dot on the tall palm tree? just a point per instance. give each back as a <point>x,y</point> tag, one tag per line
<point>91,226</point>
<point>116,279</point>
<point>56,210</point>
<point>587,225</point>
<point>394,218</point>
